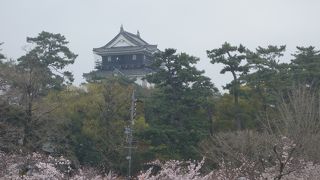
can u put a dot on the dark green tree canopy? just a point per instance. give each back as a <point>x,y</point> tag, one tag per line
<point>51,55</point>
<point>266,69</point>
<point>232,57</point>
<point>177,72</point>
<point>52,50</point>
<point>306,66</point>
<point>267,76</point>
<point>265,58</point>
<point>177,109</point>
<point>37,72</point>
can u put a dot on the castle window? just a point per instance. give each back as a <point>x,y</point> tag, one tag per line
<point>109,58</point>
<point>134,57</point>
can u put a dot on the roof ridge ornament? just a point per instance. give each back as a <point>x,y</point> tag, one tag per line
<point>138,33</point>
<point>121,28</point>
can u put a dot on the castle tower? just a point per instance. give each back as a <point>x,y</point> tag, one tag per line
<point>126,54</point>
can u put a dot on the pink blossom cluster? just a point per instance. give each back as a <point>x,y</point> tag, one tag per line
<point>174,170</point>
<point>285,166</point>
<point>37,166</point>
<point>33,166</point>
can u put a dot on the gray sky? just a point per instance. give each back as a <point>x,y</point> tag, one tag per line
<point>188,25</point>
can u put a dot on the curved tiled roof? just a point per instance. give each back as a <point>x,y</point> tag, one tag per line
<point>126,49</point>
<point>140,44</point>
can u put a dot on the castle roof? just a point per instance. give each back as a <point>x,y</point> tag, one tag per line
<point>125,42</point>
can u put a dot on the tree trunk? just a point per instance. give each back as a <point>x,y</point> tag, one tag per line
<point>27,124</point>
<point>239,123</point>
<point>210,119</point>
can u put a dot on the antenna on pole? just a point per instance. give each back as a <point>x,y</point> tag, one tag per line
<point>129,132</point>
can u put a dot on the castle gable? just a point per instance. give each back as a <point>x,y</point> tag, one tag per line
<point>120,41</point>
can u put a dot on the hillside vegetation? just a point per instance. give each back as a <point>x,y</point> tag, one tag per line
<point>266,125</point>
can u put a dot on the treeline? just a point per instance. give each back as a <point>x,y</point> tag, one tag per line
<point>40,110</point>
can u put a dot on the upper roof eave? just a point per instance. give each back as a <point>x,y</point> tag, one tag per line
<point>135,39</point>
<point>123,48</point>
<point>104,53</point>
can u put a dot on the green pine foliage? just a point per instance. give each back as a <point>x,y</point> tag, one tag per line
<point>305,67</point>
<point>234,60</point>
<point>177,110</point>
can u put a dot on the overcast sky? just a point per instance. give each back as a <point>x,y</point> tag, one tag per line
<point>191,26</point>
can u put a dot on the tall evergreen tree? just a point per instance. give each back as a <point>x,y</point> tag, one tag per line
<point>41,69</point>
<point>267,75</point>
<point>177,108</point>
<point>305,67</point>
<point>233,57</point>
<point>51,54</point>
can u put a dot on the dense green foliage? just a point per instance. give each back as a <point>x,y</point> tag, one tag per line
<point>269,76</point>
<point>177,111</point>
<point>41,111</point>
<point>232,57</point>
<point>305,66</point>
<point>35,73</point>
